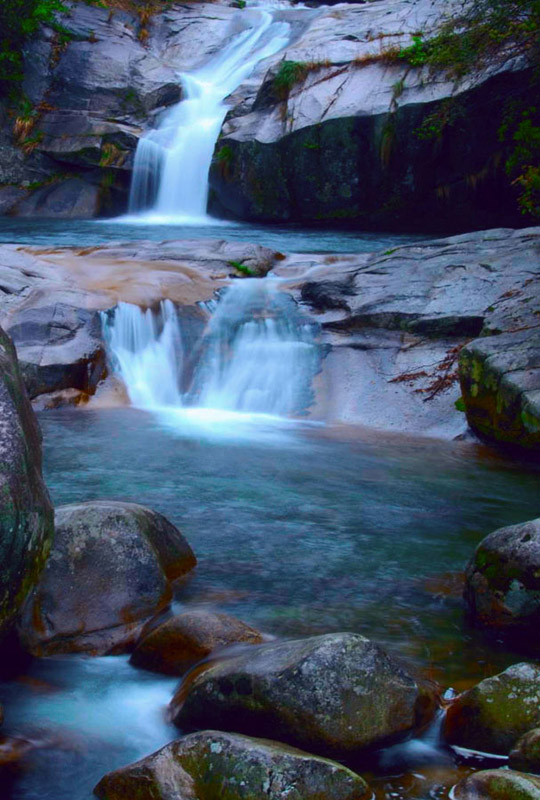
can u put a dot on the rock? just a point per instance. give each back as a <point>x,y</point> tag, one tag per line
<point>69,199</point>
<point>502,584</point>
<point>108,572</point>
<point>498,784</point>
<point>183,640</point>
<point>59,347</point>
<point>9,197</point>
<point>495,713</point>
<point>26,519</point>
<point>500,381</point>
<point>335,694</point>
<point>245,769</point>
<point>525,754</point>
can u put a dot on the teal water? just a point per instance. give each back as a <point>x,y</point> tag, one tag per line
<point>298,530</point>
<point>290,238</point>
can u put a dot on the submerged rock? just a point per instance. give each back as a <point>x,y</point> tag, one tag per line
<point>26,518</point>
<point>498,784</point>
<point>334,694</point>
<point>495,713</point>
<point>108,572</point>
<point>502,589</point>
<point>525,754</point>
<point>183,640</point>
<point>211,764</point>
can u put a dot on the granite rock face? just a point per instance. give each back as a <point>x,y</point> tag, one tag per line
<point>498,784</point>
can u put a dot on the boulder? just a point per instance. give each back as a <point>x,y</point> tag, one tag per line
<point>495,713</point>
<point>68,199</point>
<point>502,587</point>
<point>498,784</point>
<point>335,695</point>
<point>59,347</point>
<point>213,764</point>
<point>525,754</point>
<point>181,641</point>
<point>26,518</point>
<point>109,571</point>
<point>500,382</point>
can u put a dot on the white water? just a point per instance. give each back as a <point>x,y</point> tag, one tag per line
<point>257,355</point>
<point>170,177</point>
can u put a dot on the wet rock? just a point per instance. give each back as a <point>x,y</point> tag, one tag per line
<point>26,518</point>
<point>525,754</point>
<point>70,199</point>
<point>498,784</point>
<point>500,381</point>
<point>333,694</point>
<point>183,640</point>
<point>109,570</point>
<point>59,347</point>
<point>243,768</point>
<point>502,589</point>
<point>495,713</point>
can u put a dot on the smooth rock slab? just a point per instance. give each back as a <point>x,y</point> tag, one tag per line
<point>496,712</point>
<point>502,588</point>
<point>333,694</point>
<point>26,514</point>
<point>183,640</point>
<point>108,572</point>
<point>498,784</point>
<point>211,764</point>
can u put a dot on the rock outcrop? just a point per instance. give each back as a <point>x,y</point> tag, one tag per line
<point>178,643</point>
<point>26,514</point>
<point>333,133</point>
<point>203,765</point>
<point>495,713</point>
<point>335,695</point>
<point>502,589</point>
<point>108,572</point>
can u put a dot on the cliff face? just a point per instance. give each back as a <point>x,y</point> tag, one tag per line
<point>339,143</point>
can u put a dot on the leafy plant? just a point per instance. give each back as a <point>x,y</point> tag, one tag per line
<point>288,74</point>
<point>242,268</point>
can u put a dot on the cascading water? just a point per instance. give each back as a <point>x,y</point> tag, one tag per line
<point>257,355</point>
<point>170,177</point>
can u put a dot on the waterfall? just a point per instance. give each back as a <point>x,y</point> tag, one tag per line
<point>257,355</point>
<point>170,177</point>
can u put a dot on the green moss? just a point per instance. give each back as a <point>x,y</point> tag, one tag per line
<point>242,268</point>
<point>288,74</point>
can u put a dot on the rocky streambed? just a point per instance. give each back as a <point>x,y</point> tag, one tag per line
<point>333,682</point>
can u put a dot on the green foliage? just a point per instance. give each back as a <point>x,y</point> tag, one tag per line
<point>19,20</point>
<point>288,74</point>
<point>523,165</point>
<point>242,268</point>
<point>417,54</point>
<point>460,405</point>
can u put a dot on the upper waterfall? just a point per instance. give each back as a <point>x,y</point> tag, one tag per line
<point>170,176</point>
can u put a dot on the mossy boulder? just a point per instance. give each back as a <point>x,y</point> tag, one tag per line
<point>525,754</point>
<point>174,646</point>
<point>502,587</point>
<point>495,713</point>
<point>335,694</point>
<point>109,571</point>
<point>211,765</point>
<point>500,383</point>
<point>26,514</point>
<point>498,784</point>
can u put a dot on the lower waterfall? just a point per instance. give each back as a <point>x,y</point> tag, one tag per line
<point>257,354</point>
